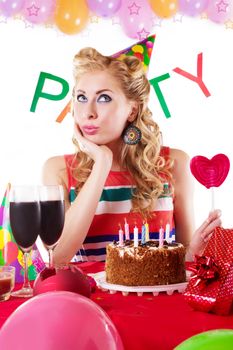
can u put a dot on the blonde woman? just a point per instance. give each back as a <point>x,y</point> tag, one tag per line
<point>120,172</point>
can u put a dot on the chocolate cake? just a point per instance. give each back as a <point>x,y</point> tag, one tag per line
<point>145,265</point>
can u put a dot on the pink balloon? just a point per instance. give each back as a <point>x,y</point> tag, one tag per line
<point>11,7</point>
<point>220,10</point>
<point>10,250</point>
<point>192,7</point>
<point>38,11</point>
<point>69,278</point>
<point>105,8</point>
<point>58,321</point>
<point>136,18</point>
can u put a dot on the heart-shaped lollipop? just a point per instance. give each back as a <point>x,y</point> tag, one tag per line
<point>210,172</point>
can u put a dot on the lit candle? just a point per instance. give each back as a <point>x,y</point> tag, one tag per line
<point>161,237</point>
<point>167,235</point>
<point>135,236</point>
<point>126,230</point>
<point>147,232</point>
<point>143,239</point>
<point>121,237</point>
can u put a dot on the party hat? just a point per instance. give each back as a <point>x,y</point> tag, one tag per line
<point>10,253</point>
<point>142,50</point>
<point>4,204</point>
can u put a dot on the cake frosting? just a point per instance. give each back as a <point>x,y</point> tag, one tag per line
<point>145,265</point>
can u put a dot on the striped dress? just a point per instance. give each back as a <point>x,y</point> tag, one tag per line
<point>113,209</point>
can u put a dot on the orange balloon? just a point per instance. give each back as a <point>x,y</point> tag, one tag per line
<point>164,8</point>
<point>71,16</point>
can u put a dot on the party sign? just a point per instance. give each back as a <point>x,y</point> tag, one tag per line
<point>10,253</point>
<point>210,172</point>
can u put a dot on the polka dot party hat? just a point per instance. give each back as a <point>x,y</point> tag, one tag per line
<point>142,50</point>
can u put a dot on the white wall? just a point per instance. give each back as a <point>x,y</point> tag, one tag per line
<point>198,125</point>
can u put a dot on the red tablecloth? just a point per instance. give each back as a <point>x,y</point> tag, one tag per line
<point>145,322</point>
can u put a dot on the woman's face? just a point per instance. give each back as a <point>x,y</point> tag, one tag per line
<point>100,107</point>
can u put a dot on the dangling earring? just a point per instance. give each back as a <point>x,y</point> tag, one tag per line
<point>132,135</point>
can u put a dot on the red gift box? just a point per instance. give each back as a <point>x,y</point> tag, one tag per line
<point>210,288</point>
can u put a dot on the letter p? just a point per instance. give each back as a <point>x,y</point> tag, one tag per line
<point>39,89</point>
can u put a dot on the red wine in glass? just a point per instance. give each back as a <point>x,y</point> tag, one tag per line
<point>25,219</point>
<point>52,217</point>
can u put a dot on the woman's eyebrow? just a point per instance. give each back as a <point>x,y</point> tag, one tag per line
<point>102,90</point>
<point>97,92</point>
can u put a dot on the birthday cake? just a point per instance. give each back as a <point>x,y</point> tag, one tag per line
<point>145,265</point>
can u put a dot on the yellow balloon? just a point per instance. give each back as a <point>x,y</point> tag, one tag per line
<point>164,8</point>
<point>71,16</point>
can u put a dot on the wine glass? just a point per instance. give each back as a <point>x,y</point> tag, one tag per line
<point>52,217</point>
<point>24,213</point>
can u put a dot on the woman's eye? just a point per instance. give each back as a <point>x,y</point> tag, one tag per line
<point>104,98</point>
<point>81,98</point>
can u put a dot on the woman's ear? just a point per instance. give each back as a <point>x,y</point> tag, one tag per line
<point>134,112</point>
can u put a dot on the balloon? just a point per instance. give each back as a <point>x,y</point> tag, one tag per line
<point>210,172</point>
<point>104,8</point>
<point>211,340</point>
<point>11,7</point>
<point>71,16</point>
<point>70,279</point>
<point>192,7</point>
<point>220,11</point>
<point>164,8</point>
<point>38,11</point>
<point>136,19</point>
<point>58,321</point>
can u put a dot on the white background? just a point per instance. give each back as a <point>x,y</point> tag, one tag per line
<point>198,125</point>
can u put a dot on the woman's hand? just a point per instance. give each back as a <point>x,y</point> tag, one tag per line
<point>95,152</point>
<point>203,234</point>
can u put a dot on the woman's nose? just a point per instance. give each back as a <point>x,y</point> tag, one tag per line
<point>91,112</point>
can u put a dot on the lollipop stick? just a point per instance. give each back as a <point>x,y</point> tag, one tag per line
<point>212,198</point>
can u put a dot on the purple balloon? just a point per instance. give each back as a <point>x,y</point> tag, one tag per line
<point>220,11</point>
<point>192,7</point>
<point>136,18</point>
<point>11,7</point>
<point>38,11</point>
<point>104,8</point>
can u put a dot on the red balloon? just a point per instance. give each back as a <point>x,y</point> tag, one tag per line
<point>58,321</point>
<point>69,278</point>
<point>210,172</point>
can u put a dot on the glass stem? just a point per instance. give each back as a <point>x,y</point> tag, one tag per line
<point>26,283</point>
<point>51,265</point>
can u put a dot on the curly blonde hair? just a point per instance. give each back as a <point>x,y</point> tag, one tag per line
<point>144,163</point>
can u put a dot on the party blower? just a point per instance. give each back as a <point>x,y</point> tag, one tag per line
<point>210,172</point>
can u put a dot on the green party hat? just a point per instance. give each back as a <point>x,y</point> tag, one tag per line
<point>5,203</point>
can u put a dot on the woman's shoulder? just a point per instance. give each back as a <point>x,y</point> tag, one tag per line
<point>54,169</point>
<point>178,154</point>
<point>56,162</point>
<point>181,163</point>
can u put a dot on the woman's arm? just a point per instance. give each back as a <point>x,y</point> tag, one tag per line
<point>80,214</point>
<point>195,241</point>
<point>183,197</point>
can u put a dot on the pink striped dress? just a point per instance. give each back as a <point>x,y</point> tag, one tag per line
<point>113,208</point>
